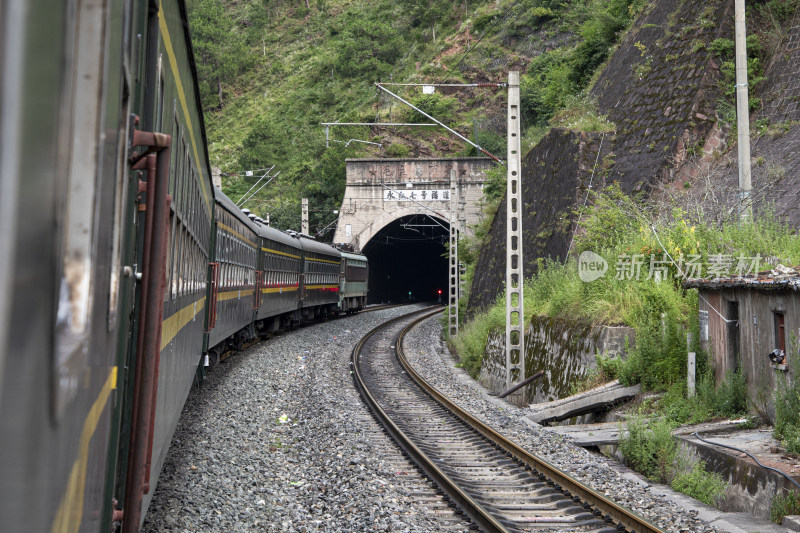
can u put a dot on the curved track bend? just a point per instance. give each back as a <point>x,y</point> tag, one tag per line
<point>497,484</point>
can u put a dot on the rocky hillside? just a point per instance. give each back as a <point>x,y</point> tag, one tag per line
<point>272,71</point>
<point>668,91</point>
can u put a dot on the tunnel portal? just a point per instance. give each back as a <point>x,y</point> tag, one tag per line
<point>408,261</point>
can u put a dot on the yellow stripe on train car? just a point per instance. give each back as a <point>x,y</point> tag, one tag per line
<point>237,234</point>
<point>172,325</point>
<point>230,295</point>
<point>70,511</point>
<point>269,250</point>
<point>173,63</point>
<point>279,290</point>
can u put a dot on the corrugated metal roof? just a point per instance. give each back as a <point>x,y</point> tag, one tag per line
<point>779,278</point>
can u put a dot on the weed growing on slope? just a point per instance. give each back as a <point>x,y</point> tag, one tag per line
<point>784,505</point>
<point>700,484</point>
<point>615,226</point>
<point>649,448</point>
<point>787,415</point>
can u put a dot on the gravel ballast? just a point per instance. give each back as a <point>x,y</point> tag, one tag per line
<point>277,439</point>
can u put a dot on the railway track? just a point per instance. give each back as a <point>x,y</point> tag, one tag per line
<point>499,486</point>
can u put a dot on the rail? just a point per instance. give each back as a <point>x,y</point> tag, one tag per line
<point>486,522</point>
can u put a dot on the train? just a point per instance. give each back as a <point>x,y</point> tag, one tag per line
<point>125,274</point>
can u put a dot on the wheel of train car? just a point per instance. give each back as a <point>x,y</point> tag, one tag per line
<point>213,358</point>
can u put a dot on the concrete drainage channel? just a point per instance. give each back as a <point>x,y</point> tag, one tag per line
<point>751,488</point>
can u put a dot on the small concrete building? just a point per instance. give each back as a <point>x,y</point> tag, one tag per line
<point>752,323</point>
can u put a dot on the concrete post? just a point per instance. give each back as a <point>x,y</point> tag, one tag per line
<point>304,219</point>
<point>743,113</point>
<point>515,353</point>
<point>453,273</point>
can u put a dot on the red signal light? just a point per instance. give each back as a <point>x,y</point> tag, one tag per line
<point>439,291</point>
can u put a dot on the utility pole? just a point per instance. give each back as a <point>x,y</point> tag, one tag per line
<point>304,220</point>
<point>515,345</point>
<point>453,272</point>
<point>743,114</point>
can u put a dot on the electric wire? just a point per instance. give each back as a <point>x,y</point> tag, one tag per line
<point>751,456</point>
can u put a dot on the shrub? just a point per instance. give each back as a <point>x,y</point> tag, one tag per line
<point>649,448</point>
<point>581,113</point>
<point>784,506</point>
<point>438,106</point>
<point>397,150</point>
<point>699,484</point>
<point>787,415</point>
<point>731,397</point>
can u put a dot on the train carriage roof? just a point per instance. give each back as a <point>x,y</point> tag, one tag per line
<point>310,245</point>
<point>273,234</point>
<point>228,205</point>
<point>357,257</point>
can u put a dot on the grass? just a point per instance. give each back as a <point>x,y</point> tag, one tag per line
<point>581,113</point>
<point>622,232</point>
<point>699,484</point>
<point>649,448</point>
<point>784,505</point>
<point>787,415</point>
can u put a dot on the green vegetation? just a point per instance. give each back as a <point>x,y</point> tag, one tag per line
<point>699,484</point>
<point>728,400</point>
<point>725,49</point>
<point>580,113</point>
<point>271,72</point>
<point>787,415</point>
<point>784,505</point>
<point>648,447</point>
<point>767,31</point>
<point>619,229</point>
<point>557,74</point>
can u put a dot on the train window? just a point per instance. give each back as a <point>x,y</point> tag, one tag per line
<point>178,261</point>
<point>175,156</point>
<point>188,214</point>
<point>196,268</point>
<point>184,260</point>
<point>159,107</point>
<point>80,128</point>
<point>120,198</point>
<point>187,174</point>
<point>190,279</point>
<point>180,162</point>
<point>170,255</point>
<point>172,239</point>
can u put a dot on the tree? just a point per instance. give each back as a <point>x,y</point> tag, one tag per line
<point>219,49</point>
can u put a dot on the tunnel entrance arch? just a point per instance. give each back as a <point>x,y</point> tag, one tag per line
<point>385,198</point>
<point>408,260</point>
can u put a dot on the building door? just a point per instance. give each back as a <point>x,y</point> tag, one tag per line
<point>780,331</point>
<point>732,363</point>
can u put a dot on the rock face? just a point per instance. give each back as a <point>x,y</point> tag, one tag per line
<point>563,349</point>
<point>660,89</point>
<point>554,173</point>
<point>776,137</point>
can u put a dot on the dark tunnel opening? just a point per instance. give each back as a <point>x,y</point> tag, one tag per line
<point>408,261</point>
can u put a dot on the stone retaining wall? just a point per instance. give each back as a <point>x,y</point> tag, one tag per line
<point>564,349</point>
